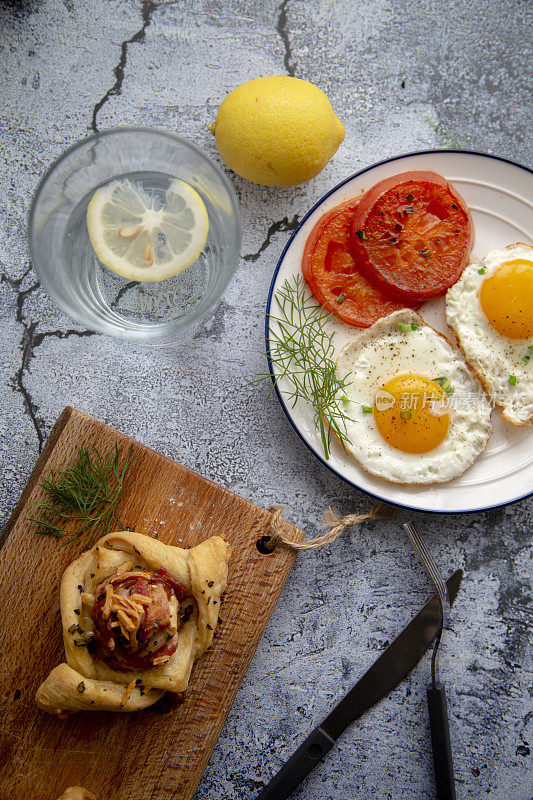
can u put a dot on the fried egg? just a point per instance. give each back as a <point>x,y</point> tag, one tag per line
<point>490,308</point>
<point>417,413</point>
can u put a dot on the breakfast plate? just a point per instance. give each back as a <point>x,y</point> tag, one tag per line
<point>499,194</point>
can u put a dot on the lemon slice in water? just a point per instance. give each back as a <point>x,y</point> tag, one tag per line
<point>143,237</point>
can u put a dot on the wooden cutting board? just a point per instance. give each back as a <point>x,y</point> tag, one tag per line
<point>153,754</point>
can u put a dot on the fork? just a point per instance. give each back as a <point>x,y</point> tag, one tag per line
<point>436,692</point>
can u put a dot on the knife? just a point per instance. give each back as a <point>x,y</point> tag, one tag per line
<point>383,676</point>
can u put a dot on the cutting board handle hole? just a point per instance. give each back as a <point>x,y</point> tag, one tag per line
<point>265,545</point>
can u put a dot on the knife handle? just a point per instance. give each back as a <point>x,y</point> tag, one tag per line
<point>440,740</point>
<point>299,765</point>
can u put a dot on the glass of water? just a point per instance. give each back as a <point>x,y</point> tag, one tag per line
<point>164,311</point>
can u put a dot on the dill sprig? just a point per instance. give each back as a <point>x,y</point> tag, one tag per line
<point>301,353</point>
<point>86,492</point>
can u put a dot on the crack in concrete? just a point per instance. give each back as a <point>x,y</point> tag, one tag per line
<point>122,291</point>
<point>281,225</point>
<point>29,342</point>
<point>15,284</point>
<point>147,9</point>
<point>281,27</point>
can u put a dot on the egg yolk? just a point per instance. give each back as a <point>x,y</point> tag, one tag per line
<point>507,299</point>
<point>409,413</point>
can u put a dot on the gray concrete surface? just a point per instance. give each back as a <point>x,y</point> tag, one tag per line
<point>402,76</point>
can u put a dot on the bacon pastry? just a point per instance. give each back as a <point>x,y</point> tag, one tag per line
<point>136,614</point>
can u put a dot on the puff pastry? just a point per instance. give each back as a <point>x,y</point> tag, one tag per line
<point>77,793</point>
<point>136,614</point>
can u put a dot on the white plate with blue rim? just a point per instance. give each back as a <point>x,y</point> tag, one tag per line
<point>499,194</point>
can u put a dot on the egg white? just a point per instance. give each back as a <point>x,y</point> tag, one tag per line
<point>383,352</point>
<point>492,356</point>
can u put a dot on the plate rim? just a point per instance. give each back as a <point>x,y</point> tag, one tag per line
<point>317,455</point>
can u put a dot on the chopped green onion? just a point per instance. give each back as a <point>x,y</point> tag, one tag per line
<point>409,210</point>
<point>445,383</point>
<point>405,327</point>
<point>340,298</point>
<point>414,326</point>
<point>527,357</point>
<point>367,409</point>
<point>512,380</point>
<point>393,240</point>
<point>481,271</point>
<point>81,687</point>
<point>405,415</point>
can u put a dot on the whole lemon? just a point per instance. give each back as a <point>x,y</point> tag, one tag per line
<point>278,131</point>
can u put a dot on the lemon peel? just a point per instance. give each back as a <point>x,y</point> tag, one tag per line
<point>277,131</point>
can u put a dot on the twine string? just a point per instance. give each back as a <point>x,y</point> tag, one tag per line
<point>335,524</point>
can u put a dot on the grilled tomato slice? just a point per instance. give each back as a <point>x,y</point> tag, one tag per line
<point>333,274</point>
<point>411,235</point>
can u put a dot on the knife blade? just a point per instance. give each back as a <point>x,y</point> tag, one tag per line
<point>384,675</point>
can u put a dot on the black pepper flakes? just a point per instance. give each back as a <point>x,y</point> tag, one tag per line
<point>80,588</point>
<point>209,627</point>
<point>76,611</point>
<point>360,235</point>
<point>210,584</point>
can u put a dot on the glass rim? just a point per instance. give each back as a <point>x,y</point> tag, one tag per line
<point>132,333</point>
